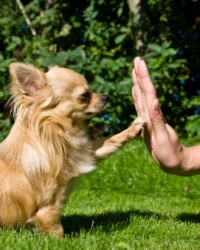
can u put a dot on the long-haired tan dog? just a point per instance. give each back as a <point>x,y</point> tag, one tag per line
<point>48,146</point>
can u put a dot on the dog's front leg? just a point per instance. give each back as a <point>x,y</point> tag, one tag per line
<point>108,146</point>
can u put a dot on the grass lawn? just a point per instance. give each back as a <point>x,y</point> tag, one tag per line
<point>127,203</point>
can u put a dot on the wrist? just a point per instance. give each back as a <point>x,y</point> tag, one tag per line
<point>180,164</point>
<point>189,161</point>
<point>184,157</point>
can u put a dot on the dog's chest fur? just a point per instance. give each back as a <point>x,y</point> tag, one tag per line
<point>51,158</point>
<point>62,155</point>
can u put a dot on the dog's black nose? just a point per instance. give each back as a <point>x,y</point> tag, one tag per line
<point>104,98</point>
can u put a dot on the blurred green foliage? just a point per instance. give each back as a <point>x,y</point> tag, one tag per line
<point>100,39</point>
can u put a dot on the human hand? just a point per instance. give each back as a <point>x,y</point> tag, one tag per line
<point>160,138</point>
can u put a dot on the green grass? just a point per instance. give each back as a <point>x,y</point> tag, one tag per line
<point>127,203</point>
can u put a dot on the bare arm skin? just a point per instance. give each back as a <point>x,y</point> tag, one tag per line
<point>160,138</point>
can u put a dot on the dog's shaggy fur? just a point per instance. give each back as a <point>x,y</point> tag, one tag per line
<point>48,146</point>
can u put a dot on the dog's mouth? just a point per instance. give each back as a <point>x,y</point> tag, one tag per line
<point>95,111</point>
<point>97,107</point>
<point>89,114</point>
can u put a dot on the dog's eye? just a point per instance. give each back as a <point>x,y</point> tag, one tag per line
<point>85,97</point>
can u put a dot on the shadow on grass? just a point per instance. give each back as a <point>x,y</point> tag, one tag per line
<point>75,223</point>
<point>189,217</point>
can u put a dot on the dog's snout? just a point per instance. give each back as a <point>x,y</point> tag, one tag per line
<point>104,98</point>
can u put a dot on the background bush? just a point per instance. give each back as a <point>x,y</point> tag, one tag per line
<point>100,39</point>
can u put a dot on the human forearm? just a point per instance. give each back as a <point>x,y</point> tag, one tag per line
<point>187,164</point>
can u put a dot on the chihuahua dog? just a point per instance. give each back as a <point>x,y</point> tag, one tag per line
<point>48,146</point>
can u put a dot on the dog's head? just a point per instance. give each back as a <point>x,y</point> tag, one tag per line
<point>60,91</point>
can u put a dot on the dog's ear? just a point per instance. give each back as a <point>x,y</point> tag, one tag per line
<point>26,79</point>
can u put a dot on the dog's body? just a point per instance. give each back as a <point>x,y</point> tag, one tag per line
<point>48,146</point>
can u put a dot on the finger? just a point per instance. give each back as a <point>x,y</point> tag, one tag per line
<point>158,121</point>
<point>134,99</point>
<point>146,84</point>
<point>138,101</point>
<point>137,61</point>
<point>134,92</point>
<point>138,95</point>
<point>134,77</point>
<point>136,64</point>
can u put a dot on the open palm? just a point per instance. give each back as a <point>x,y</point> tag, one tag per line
<point>160,138</point>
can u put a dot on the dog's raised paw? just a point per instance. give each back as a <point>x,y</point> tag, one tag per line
<point>139,122</point>
<point>136,126</point>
